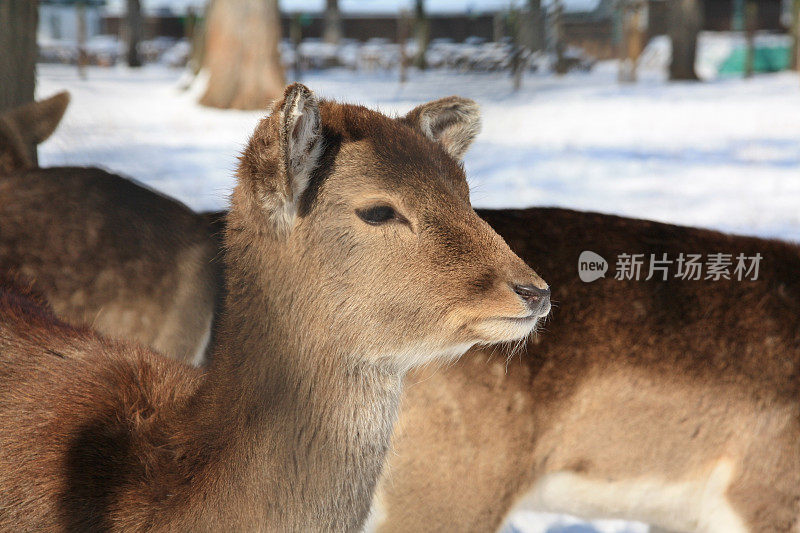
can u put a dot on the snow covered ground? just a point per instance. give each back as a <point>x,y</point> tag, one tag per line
<point>722,154</point>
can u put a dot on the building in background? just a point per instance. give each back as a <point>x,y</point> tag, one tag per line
<point>58,19</point>
<point>590,29</point>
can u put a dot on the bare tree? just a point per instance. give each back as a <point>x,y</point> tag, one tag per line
<point>518,53</point>
<point>528,38</point>
<point>296,38</point>
<point>795,60</point>
<point>198,44</point>
<point>403,32</point>
<point>333,22</point>
<point>499,26</point>
<point>557,35</point>
<point>241,54</point>
<point>634,26</point>
<point>422,33</point>
<point>684,21</point>
<point>18,23</point>
<point>750,25</point>
<point>83,59</point>
<point>533,26</point>
<point>134,28</point>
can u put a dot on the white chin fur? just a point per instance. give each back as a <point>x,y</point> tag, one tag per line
<point>506,330</point>
<point>493,331</point>
<point>418,356</point>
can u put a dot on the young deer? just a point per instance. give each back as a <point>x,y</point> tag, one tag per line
<point>25,126</point>
<point>104,250</point>
<point>624,409</point>
<point>352,255</point>
<point>562,421</point>
<point>670,402</point>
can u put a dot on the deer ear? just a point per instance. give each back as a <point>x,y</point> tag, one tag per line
<point>36,121</point>
<point>283,153</point>
<point>26,126</point>
<point>454,122</point>
<point>300,138</point>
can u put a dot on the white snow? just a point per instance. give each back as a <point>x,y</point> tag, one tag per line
<point>722,154</point>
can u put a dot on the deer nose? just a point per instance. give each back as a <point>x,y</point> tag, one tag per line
<point>537,300</point>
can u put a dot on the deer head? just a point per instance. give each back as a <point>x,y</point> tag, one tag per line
<point>365,229</point>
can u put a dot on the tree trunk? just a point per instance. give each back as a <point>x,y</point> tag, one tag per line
<point>529,38</point>
<point>795,60</point>
<point>422,31</point>
<point>403,32</point>
<point>684,21</point>
<point>518,63</point>
<point>557,31</point>
<point>532,28</point>
<point>134,27</point>
<point>516,53</point>
<point>18,22</point>
<point>750,25</point>
<point>80,9</point>
<point>498,26</point>
<point>296,38</point>
<point>333,22</point>
<point>198,40</point>
<point>634,28</point>
<point>523,26</point>
<point>242,56</point>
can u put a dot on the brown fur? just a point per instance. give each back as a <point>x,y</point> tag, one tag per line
<point>474,437</point>
<point>112,254</point>
<point>676,375</point>
<point>287,429</point>
<point>104,250</point>
<point>667,369</point>
<point>646,380</point>
<point>26,126</point>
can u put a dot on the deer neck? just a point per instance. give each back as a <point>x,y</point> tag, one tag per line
<point>315,430</point>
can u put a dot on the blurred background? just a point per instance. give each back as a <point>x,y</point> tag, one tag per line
<point>683,111</point>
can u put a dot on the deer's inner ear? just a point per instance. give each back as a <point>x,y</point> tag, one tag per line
<point>294,125</point>
<point>453,122</point>
<point>300,137</point>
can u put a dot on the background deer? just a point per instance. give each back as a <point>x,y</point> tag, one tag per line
<point>288,427</point>
<point>25,126</point>
<point>104,250</point>
<point>670,402</point>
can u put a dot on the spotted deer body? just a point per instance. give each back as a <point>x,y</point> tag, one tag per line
<point>287,428</point>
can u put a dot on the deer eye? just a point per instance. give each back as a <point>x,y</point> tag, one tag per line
<point>376,215</point>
